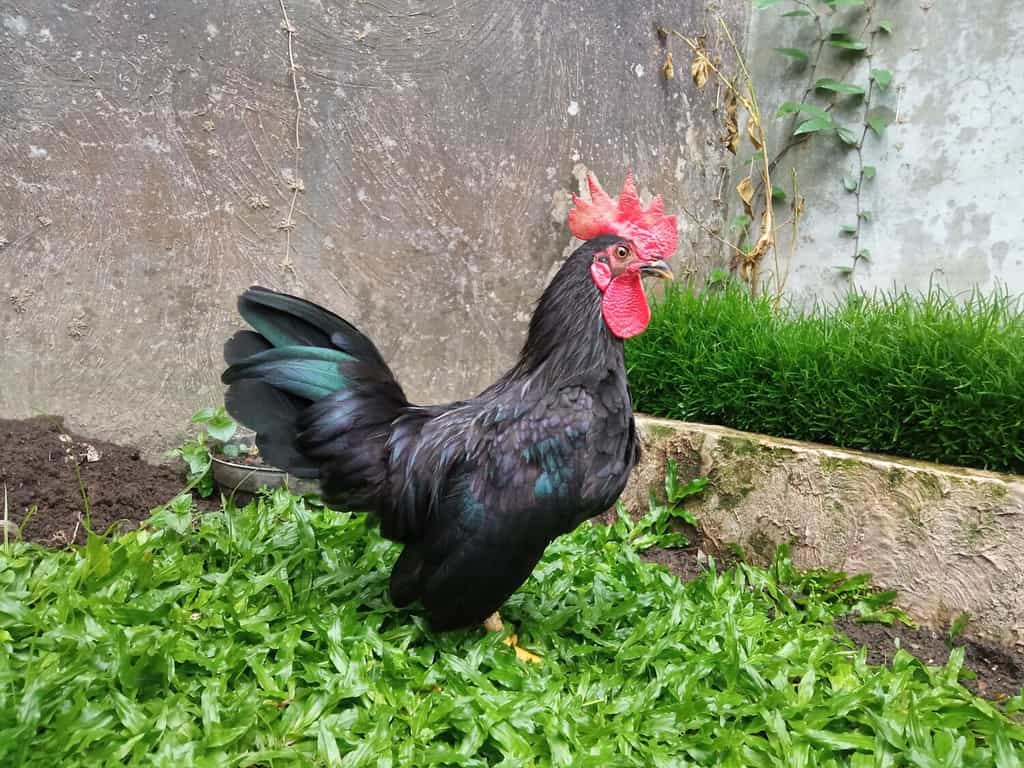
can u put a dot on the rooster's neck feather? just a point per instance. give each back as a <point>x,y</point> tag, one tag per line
<point>568,340</point>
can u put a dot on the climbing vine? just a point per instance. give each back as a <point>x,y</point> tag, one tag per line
<point>851,28</point>
<point>839,109</point>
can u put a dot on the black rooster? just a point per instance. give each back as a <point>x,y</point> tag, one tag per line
<point>474,490</point>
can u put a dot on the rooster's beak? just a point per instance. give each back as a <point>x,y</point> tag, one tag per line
<point>659,268</point>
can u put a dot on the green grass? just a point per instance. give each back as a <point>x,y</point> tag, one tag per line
<point>263,636</point>
<point>925,377</point>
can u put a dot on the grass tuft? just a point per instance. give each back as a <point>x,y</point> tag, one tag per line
<point>262,636</point>
<point>926,377</point>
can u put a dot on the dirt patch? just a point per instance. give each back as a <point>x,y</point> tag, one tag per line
<point>37,465</point>
<point>691,561</point>
<point>1000,674</point>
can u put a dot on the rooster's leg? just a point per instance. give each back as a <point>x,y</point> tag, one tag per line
<point>493,623</point>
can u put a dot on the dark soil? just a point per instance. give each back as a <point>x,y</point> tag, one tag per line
<point>1000,674</point>
<point>689,562</point>
<point>38,470</point>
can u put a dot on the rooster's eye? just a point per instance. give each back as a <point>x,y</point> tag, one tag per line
<point>622,251</point>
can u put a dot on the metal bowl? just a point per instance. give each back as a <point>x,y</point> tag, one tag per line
<point>235,478</point>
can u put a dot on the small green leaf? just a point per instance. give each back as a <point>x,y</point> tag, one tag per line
<point>848,229</point>
<point>882,77</point>
<point>836,86</point>
<point>221,428</point>
<point>792,107</point>
<point>805,690</point>
<point>778,194</point>
<point>849,45</point>
<point>848,3</point>
<point>203,415</point>
<point>869,172</point>
<point>847,136</point>
<point>793,53</point>
<point>850,183</point>
<point>863,255</point>
<point>795,14</point>
<point>864,215</point>
<point>762,4</point>
<point>844,271</point>
<point>814,125</point>
<point>840,32</point>
<point>878,125</point>
<point>845,740</point>
<point>885,26</point>
<point>97,554</point>
<point>959,625</point>
<point>740,223</point>
<point>218,423</point>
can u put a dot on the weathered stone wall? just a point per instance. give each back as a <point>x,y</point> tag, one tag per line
<point>148,166</point>
<point>947,539</point>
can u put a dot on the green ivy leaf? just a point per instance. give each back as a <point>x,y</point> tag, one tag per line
<point>885,26</point>
<point>878,125</point>
<point>848,229</point>
<point>778,194</point>
<point>865,215</point>
<point>790,107</point>
<point>844,271</point>
<point>869,171</point>
<point>847,136</point>
<point>863,255</point>
<point>882,77</point>
<point>850,183</point>
<point>840,32</point>
<point>849,45</point>
<point>814,125</point>
<point>793,53</point>
<point>836,86</point>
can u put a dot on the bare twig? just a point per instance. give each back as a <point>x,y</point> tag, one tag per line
<point>290,31</point>
<point>710,232</point>
<point>289,223</point>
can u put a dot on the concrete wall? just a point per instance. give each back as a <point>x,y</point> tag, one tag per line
<point>948,540</point>
<point>147,149</point>
<point>944,201</point>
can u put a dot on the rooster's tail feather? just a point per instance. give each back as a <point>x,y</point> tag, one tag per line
<point>314,388</point>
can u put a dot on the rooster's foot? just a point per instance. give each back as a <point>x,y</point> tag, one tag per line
<point>493,623</point>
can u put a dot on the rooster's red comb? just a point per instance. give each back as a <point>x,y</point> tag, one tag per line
<point>653,233</point>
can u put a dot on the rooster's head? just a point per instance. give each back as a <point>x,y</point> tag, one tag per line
<point>635,242</point>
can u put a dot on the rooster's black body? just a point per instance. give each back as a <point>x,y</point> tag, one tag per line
<point>474,490</point>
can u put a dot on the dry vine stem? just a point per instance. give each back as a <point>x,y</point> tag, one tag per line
<point>742,94</point>
<point>295,183</point>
